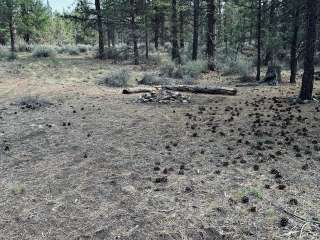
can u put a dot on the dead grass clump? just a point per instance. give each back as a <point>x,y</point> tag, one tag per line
<point>119,78</point>
<point>169,69</point>
<point>43,51</point>
<point>17,189</point>
<point>150,79</point>
<point>83,48</point>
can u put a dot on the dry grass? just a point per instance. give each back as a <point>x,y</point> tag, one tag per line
<point>94,178</point>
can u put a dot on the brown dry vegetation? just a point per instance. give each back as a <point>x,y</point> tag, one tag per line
<point>97,165</point>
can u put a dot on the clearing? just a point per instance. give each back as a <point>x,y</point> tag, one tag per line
<point>95,164</point>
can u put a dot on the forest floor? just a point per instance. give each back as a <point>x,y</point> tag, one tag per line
<point>95,164</point>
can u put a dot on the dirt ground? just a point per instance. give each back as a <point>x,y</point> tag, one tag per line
<point>97,165</point>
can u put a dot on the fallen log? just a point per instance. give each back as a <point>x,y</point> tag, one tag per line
<point>138,90</point>
<point>255,84</point>
<point>184,88</point>
<point>202,90</point>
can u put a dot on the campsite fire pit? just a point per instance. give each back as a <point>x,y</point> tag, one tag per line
<point>164,96</point>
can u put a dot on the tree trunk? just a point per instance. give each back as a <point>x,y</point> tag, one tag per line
<point>134,32</point>
<point>271,32</point>
<point>162,27</point>
<point>310,40</point>
<point>146,33</point>
<point>2,39</point>
<point>211,38</point>
<point>100,28</point>
<point>109,37</point>
<point>113,36</point>
<point>108,33</point>
<point>156,28</point>
<point>12,34</point>
<point>174,33</point>
<point>259,40</point>
<point>294,45</point>
<point>219,21</point>
<point>181,21</point>
<point>195,41</point>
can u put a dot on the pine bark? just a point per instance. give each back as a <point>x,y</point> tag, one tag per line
<point>294,45</point>
<point>195,41</point>
<point>259,40</point>
<point>211,38</point>
<point>100,28</point>
<point>181,23</point>
<point>174,33</point>
<point>272,23</point>
<point>156,28</point>
<point>310,45</point>
<point>134,32</point>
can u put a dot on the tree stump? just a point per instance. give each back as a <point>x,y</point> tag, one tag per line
<point>273,75</point>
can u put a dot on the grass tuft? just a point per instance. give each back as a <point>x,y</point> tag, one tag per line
<point>119,78</point>
<point>43,51</point>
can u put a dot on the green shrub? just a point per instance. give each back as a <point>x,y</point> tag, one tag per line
<point>83,48</point>
<point>168,69</point>
<point>239,65</point>
<point>12,56</point>
<point>43,51</point>
<point>111,53</point>
<point>69,49</point>
<point>152,79</point>
<point>73,50</point>
<point>5,54</point>
<point>121,53</point>
<point>193,69</point>
<point>118,78</point>
<point>154,59</point>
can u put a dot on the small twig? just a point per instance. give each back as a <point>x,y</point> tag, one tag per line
<point>294,215</point>
<point>301,230</point>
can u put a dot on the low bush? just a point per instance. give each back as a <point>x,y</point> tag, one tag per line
<point>154,59</point>
<point>83,48</point>
<point>111,53</point>
<point>32,102</point>
<point>119,78</point>
<point>236,65</point>
<point>69,49</point>
<point>43,51</point>
<point>72,50</point>
<point>193,69</point>
<point>121,53</point>
<point>151,79</point>
<point>5,54</point>
<point>168,69</point>
<point>190,70</point>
